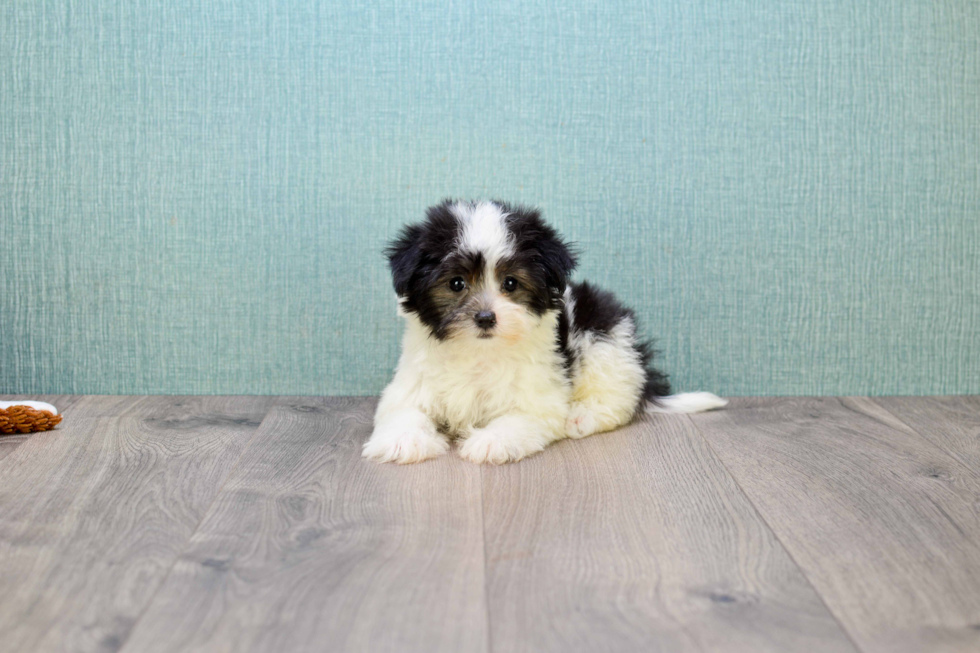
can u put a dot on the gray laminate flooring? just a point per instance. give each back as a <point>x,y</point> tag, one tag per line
<point>151,524</point>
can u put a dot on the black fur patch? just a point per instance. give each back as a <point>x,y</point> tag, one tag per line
<point>596,309</point>
<point>599,311</point>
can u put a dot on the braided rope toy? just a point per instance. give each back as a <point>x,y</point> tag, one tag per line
<point>27,417</point>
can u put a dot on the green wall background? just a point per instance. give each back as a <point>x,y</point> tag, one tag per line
<point>195,193</point>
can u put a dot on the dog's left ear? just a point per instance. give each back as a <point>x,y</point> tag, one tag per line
<point>404,254</point>
<point>554,256</point>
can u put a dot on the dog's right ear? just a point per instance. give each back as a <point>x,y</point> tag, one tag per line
<point>404,254</point>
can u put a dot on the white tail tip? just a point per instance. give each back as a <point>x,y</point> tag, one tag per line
<point>687,402</point>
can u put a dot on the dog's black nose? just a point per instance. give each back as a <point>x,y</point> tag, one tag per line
<point>485,319</point>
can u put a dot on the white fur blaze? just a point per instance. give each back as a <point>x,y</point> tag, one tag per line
<point>484,230</point>
<point>687,402</point>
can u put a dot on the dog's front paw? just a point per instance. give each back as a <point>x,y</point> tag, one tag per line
<point>504,440</point>
<point>407,438</point>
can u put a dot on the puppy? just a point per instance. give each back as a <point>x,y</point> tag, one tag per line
<point>500,351</point>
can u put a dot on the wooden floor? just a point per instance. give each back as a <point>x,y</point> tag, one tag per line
<point>150,524</point>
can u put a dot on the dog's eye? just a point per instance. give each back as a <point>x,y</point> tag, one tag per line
<point>510,284</point>
<point>456,284</point>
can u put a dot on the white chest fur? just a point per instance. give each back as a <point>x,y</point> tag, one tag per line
<point>464,383</point>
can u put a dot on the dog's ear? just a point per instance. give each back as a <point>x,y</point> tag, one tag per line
<point>558,261</point>
<point>555,258</point>
<point>404,254</point>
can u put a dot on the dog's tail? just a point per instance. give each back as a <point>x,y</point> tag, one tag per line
<point>687,402</point>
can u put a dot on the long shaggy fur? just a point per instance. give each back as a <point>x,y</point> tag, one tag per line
<point>501,352</point>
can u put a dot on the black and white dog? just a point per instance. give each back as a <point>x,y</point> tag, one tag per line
<point>500,351</point>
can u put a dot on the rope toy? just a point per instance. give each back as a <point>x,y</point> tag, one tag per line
<point>27,417</point>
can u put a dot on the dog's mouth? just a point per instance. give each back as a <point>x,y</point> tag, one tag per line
<point>484,334</point>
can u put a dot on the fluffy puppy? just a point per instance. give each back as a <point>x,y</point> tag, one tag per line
<point>500,351</point>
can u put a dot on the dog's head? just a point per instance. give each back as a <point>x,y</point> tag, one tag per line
<point>483,270</point>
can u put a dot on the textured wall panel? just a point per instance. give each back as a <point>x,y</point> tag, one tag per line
<point>195,193</point>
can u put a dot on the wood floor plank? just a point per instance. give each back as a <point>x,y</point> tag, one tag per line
<point>94,513</point>
<point>311,548</point>
<point>950,423</point>
<point>884,524</point>
<point>10,442</point>
<point>639,540</point>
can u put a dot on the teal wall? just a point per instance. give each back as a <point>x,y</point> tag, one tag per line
<point>195,193</point>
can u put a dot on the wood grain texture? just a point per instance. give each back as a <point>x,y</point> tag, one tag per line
<point>884,524</point>
<point>311,548</point>
<point>94,513</point>
<point>950,423</point>
<point>639,540</point>
<point>8,443</point>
